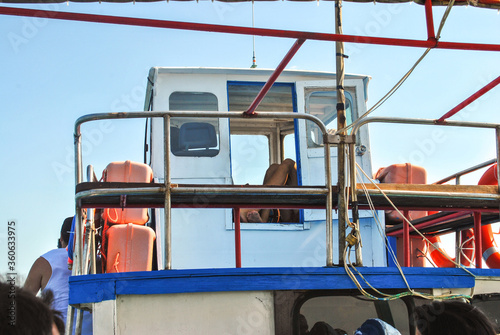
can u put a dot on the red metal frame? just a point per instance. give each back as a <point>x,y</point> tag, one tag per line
<point>301,37</point>
<point>245,30</point>
<point>430,21</point>
<point>237,237</point>
<point>478,239</point>
<point>295,47</point>
<point>469,100</point>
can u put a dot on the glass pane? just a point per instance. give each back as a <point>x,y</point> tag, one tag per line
<point>348,313</point>
<point>278,99</point>
<point>195,137</point>
<point>249,158</point>
<point>323,104</point>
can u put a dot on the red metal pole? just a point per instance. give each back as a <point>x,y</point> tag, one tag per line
<point>477,240</point>
<point>431,222</point>
<point>470,99</point>
<point>295,47</point>
<point>237,236</point>
<point>244,30</point>
<point>430,21</point>
<point>406,240</point>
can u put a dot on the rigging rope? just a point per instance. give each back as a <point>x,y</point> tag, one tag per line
<point>403,79</point>
<point>350,268</point>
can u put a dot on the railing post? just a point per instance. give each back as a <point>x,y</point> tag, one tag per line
<point>167,256</point>
<point>406,240</point>
<point>237,237</point>
<point>478,237</point>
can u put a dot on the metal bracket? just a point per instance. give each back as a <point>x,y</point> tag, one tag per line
<point>337,139</point>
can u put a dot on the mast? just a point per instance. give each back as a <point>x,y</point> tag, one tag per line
<point>344,142</point>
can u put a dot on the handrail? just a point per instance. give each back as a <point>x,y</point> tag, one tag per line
<point>166,115</point>
<point>466,171</point>
<point>469,124</point>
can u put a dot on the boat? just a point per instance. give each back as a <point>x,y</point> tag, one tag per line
<point>183,260</point>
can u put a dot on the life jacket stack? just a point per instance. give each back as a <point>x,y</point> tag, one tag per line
<point>128,242</point>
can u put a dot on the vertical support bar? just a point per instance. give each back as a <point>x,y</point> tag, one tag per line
<point>406,240</point>
<point>237,237</point>
<point>70,318</point>
<point>431,36</point>
<point>478,238</point>
<point>77,254</point>
<point>497,136</point>
<point>458,249</point>
<point>288,57</point>
<point>91,218</point>
<point>167,255</point>
<point>341,123</point>
<point>354,200</point>
<point>329,206</point>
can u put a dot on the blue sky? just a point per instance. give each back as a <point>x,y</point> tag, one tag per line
<point>55,71</point>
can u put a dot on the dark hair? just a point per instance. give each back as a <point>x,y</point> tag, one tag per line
<point>48,298</point>
<point>452,317</point>
<point>22,313</point>
<point>66,229</point>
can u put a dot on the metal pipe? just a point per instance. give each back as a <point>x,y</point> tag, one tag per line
<point>343,215</point>
<point>429,223</point>
<point>497,136</point>
<point>136,115</point>
<point>470,99</point>
<point>358,123</point>
<point>478,239</point>
<point>458,247</point>
<point>406,240</point>
<point>466,171</point>
<point>354,201</point>
<point>274,76</point>
<point>329,206</point>
<point>244,30</point>
<point>447,195</point>
<point>260,190</point>
<point>429,21</point>
<point>237,237</point>
<point>77,254</point>
<point>168,201</point>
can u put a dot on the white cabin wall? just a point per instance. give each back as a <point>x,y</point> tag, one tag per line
<point>204,238</point>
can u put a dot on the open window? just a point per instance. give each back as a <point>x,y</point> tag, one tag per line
<point>258,144</point>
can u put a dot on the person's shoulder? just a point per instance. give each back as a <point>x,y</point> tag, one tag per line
<point>54,252</point>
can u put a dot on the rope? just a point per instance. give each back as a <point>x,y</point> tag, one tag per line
<point>403,79</point>
<point>349,267</point>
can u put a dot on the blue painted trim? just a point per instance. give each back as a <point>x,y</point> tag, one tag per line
<point>100,287</point>
<point>393,244</point>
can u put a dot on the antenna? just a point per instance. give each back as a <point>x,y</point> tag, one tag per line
<point>254,64</point>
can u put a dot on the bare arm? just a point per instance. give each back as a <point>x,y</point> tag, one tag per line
<point>38,276</point>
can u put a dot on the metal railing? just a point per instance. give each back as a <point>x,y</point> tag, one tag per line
<point>447,123</point>
<point>78,264</point>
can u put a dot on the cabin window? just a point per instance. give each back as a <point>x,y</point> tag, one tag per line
<point>348,313</point>
<point>194,137</point>
<point>323,104</point>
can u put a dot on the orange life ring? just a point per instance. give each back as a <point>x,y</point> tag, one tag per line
<point>491,253</point>
<point>442,261</point>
